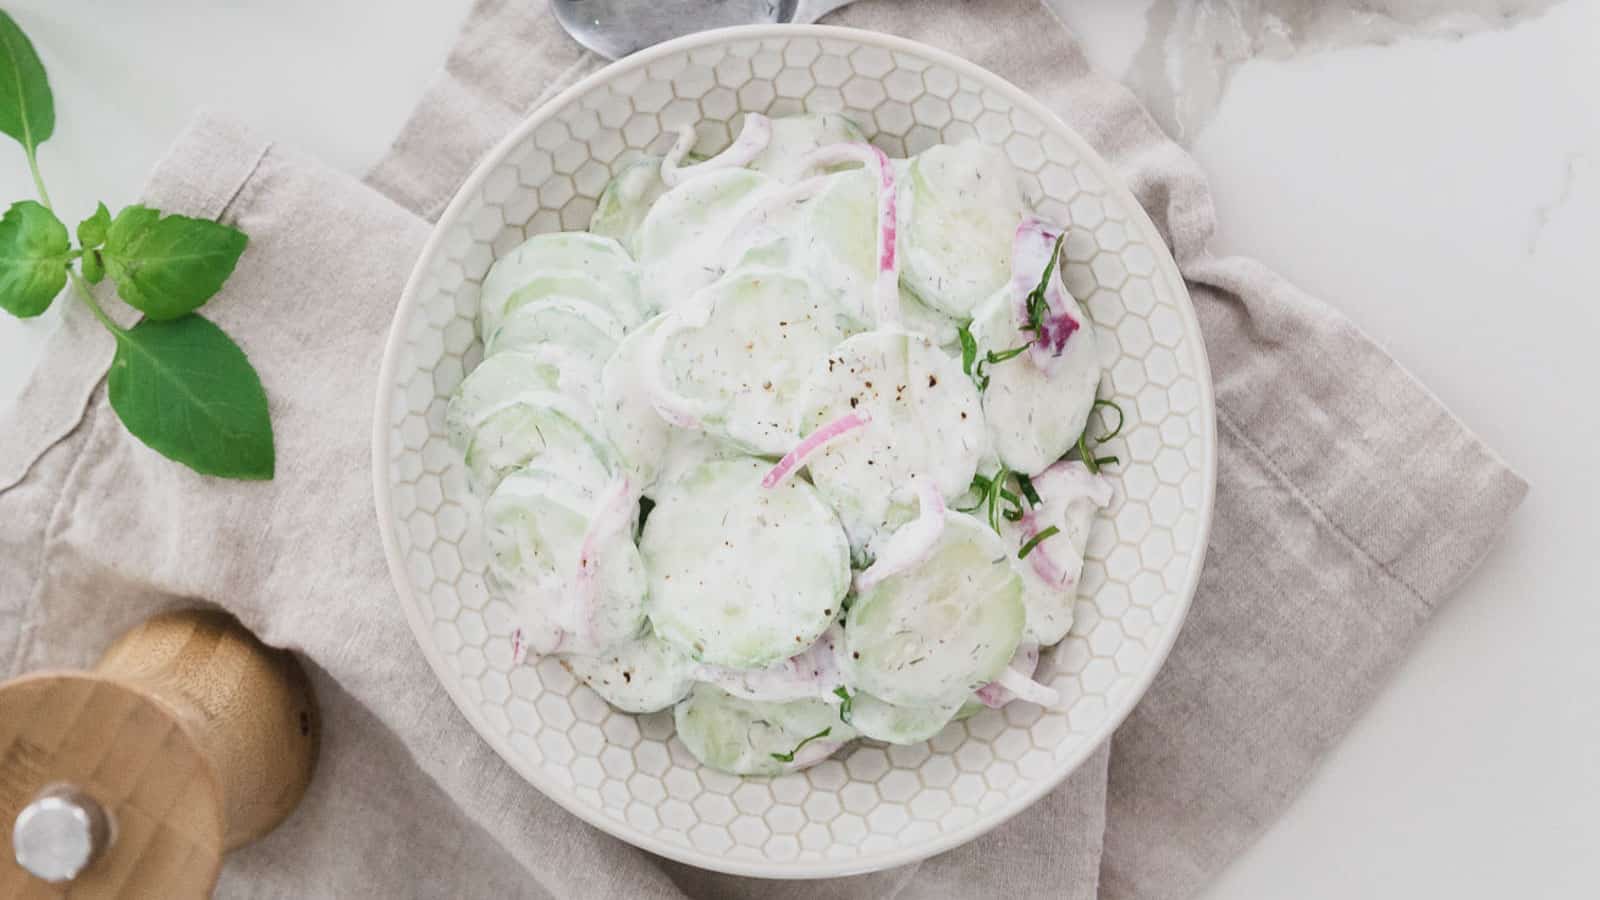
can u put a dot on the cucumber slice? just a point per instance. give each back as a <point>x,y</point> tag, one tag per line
<point>810,675</point>
<point>931,636</point>
<point>640,676</point>
<point>686,452</point>
<point>1069,497</point>
<point>794,137</point>
<point>892,724</point>
<point>742,575</point>
<point>925,422</point>
<point>962,206</point>
<point>577,325</point>
<point>683,241</point>
<point>920,318</point>
<point>1035,416</point>
<point>535,524</point>
<point>763,333</point>
<point>549,286</point>
<point>510,410</point>
<point>743,737</point>
<point>545,265</point>
<point>626,200</point>
<point>639,435</point>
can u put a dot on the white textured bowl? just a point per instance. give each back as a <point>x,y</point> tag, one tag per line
<point>871,806</point>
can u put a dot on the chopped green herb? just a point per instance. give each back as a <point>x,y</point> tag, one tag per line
<point>844,707</point>
<point>789,757</point>
<point>992,357</point>
<point>1036,540</point>
<point>969,349</point>
<point>1038,306</point>
<point>1026,484</point>
<point>980,486</point>
<point>1085,445</point>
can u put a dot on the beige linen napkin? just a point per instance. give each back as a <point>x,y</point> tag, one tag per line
<point>1349,504</point>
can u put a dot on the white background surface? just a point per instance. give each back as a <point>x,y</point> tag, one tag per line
<point>1445,193</point>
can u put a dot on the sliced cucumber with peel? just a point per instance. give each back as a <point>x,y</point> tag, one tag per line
<point>926,421</point>
<point>743,575</point>
<point>930,636</point>
<point>638,676</point>
<point>535,523</point>
<point>763,332</point>
<point>743,737</point>
<point>576,263</point>
<point>961,205</point>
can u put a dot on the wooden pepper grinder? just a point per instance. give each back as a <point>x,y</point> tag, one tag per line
<point>188,739</point>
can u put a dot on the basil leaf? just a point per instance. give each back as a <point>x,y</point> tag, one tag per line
<point>93,269</point>
<point>92,231</point>
<point>167,266</point>
<point>186,390</point>
<point>27,111</point>
<point>34,252</point>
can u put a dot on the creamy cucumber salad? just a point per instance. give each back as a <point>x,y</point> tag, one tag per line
<point>793,440</point>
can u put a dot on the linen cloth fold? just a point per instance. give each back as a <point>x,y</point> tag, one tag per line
<point>1350,503</point>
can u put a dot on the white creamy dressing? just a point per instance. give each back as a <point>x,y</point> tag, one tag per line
<point>763,345</point>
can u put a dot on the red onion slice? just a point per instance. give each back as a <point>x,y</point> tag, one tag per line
<point>886,289</point>
<point>752,139</point>
<point>1030,253</point>
<point>795,458</point>
<point>1025,688</point>
<point>1024,662</point>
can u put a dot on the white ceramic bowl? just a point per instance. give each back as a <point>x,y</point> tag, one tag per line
<point>871,806</point>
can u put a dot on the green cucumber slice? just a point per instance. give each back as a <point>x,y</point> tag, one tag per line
<point>962,204</point>
<point>576,325</point>
<point>683,241</point>
<point>794,137</point>
<point>926,421</point>
<point>892,724</point>
<point>1034,416</point>
<point>626,200</point>
<point>639,676</point>
<point>763,332</point>
<point>570,263</point>
<point>638,433</point>
<point>930,636</point>
<point>743,737</point>
<point>743,575</point>
<point>510,410</point>
<point>535,525</point>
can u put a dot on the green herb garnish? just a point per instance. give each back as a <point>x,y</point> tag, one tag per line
<point>177,381</point>
<point>1038,306</point>
<point>789,757</point>
<point>1085,445</point>
<point>969,349</point>
<point>1036,540</point>
<point>844,707</point>
<point>1026,484</point>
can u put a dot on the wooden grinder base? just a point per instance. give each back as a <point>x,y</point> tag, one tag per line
<point>192,735</point>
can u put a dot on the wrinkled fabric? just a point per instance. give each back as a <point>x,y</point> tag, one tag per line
<point>1350,503</point>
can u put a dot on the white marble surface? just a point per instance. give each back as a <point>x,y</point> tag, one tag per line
<point>1431,167</point>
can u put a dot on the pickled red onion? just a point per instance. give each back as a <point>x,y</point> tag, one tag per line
<point>995,695</point>
<point>886,290</point>
<point>1027,689</point>
<point>1031,248</point>
<point>812,442</point>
